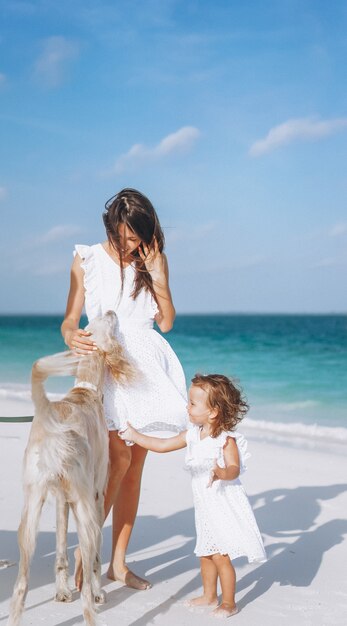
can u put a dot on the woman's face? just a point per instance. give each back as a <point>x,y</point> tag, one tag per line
<point>129,241</point>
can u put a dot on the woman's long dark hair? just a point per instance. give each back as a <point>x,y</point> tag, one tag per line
<point>132,208</point>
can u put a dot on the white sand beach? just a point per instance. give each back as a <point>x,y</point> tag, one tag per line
<point>299,493</point>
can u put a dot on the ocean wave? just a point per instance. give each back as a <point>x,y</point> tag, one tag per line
<point>10,391</point>
<point>315,432</point>
<point>296,406</point>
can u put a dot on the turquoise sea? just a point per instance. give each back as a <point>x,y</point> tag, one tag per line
<point>292,368</point>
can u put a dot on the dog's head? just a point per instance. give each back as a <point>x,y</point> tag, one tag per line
<point>103,333</point>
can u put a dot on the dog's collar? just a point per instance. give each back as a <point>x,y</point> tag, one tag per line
<point>85,385</point>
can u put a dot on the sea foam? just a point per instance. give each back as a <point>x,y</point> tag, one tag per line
<point>316,432</point>
<point>297,429</point>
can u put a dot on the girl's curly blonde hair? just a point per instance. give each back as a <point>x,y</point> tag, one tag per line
<point>223,395</point>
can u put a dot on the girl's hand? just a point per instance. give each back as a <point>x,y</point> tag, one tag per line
<point>213,473</point>
<point>128,434</point>
<point>154,260</point>
<point>79,341</point>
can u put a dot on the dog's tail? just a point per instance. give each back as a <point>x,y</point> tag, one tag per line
<point>60,364</point>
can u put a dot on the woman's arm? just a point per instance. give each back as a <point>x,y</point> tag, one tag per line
<point>157,266</point>
<point>155,444</point>
<point>232,463</point>
<point>74,337</point>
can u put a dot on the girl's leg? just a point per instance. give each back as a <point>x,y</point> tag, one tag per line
<point>209,582</point>
<point>125,499</point>
<point>227,577</point>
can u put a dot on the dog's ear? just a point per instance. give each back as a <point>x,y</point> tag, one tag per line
<point>119,365</point>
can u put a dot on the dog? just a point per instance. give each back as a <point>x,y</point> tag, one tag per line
<point>67,455</point>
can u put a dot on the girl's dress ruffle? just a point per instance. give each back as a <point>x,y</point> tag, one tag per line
<point>215,450</point>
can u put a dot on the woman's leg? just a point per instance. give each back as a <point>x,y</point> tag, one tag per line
<point>124,496</point>
<point>209,582</point>
<point>122,458</point>
<point>227,577</point>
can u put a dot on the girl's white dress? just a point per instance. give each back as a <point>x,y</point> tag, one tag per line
<point>224,519</point>
<point>156,400</point>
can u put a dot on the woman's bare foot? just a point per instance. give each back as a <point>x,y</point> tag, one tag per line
<point>225,610</point>
<point>129,578</point>
<point>202,601</point>
<point>78,569</point>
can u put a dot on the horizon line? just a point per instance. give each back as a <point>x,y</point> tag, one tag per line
<point>192,313</point>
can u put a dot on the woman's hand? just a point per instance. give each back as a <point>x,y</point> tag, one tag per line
<point>79,341</point>
<point>129,434</point>
<point>154,261</point>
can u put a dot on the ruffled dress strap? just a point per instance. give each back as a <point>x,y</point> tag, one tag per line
<point>154,309</point>
<point>191,436</point>
<point>241,443</point>
<point>92,282</point>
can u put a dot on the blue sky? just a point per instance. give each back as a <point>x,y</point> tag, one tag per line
<point>231,116</point>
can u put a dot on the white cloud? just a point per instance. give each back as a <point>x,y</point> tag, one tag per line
<point>3,193</point>
<point>249,261</point>
<point>57,233</point>
<point>195,233</point>
<point>49,269</point>
<point>333,261</point>
<point>326,262</point>
<point>52,64</point>
<point>219,267</point>
<point>180,141</point>
<point>296,130</point>
<point>338,229</point>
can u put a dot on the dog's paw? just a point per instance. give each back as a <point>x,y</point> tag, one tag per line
<point>63,595</point>
<point>100,597</point>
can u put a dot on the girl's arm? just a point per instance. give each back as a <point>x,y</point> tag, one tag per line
<point>74,337</point>
<point>155,444</point>
<point>232,462</point>
<point>157,266</point>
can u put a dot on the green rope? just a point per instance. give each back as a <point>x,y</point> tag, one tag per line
<point>25,418</point>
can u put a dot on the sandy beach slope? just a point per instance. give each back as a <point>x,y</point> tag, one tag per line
<point>299,494</point>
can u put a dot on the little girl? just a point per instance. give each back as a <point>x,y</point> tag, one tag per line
<point>225,524</point>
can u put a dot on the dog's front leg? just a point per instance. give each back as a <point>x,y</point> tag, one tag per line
<point>63,592</point>
<point>98,593</point>
<point>27,531</point>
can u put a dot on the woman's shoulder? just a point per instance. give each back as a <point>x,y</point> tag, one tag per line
<point>84,250</point>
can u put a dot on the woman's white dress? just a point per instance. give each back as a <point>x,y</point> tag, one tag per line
<point>224,519</point>
<point>156,400</point>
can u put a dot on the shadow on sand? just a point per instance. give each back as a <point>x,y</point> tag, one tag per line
<point>287,515</point>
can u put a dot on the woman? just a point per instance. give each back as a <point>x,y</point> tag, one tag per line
<point>129,274</point>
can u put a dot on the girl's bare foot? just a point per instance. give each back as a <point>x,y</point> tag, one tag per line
<point>129,578</point>
<point>202,601</point>
<point>78,569</point>
<point>225,610</point>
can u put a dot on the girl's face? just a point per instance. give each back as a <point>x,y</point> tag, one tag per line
<point>129,241</point>
<point>198,410</point>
